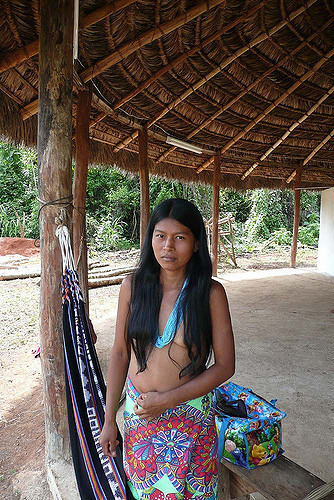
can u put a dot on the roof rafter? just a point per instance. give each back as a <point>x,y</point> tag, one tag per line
<point>180,59</point>
<point>247,89</point>
<point>310,156</point>
<point>272,106</point>
<point>215,71</point>
<point>31,49</point>
<point>128,48</point>
<point>106,110</point>
<point>147,37</point>
<point>287,133</point>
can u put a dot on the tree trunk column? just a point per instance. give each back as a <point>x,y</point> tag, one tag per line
<point>296,217</point>
<point>144,184</point>
<point>215,214</point>
<point>54,180</point>
<point>80,188</point>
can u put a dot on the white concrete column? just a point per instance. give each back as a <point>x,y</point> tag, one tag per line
<point>326,236</point>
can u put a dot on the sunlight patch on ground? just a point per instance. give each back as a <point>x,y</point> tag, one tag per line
<point>266,273</point>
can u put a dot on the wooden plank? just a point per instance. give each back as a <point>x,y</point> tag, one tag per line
<point>215,214</point>
<point>144,184</point>
<point>296,217</point>
<point>232,242</point>
<point>80,188</point>
<point>278,480</point>
<point>54,175</point>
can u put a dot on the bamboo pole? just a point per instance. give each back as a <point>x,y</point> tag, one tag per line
<point>147,37</point>
<point>226,62</point>
<point>269,108</point>
<point>107,10</point>
<point>20,55</point>
<point>310,156</point>
<point>249,87</point>
<point>296,217</point>
<point>288,132</point>
<point>215,214</point>
<point>54,179</point>
<point>80,188</point>
<point>144,184</point>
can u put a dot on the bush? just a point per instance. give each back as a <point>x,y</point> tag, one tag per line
<point>106,234</point>
<point>308,234</point>
<point>281,236</point>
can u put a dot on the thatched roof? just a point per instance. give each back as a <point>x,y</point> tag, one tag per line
<point>252,79</point>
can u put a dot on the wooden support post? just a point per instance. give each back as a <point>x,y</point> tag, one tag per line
<point>144,184</point>
<point>80,187</point>
<point>296,217</point>
<point>215,213</point>
<point>54,180</point>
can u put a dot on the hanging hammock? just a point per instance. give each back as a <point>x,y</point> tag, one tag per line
<point>99,477</point>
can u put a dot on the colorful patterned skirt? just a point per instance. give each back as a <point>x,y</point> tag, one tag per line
<point>175,455</point>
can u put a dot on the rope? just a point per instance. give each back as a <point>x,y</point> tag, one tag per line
<point>66,250</point>
<point>321,491</point>
<point>66,201</point>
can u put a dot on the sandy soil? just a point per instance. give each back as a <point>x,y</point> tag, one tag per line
<point>21,399</point>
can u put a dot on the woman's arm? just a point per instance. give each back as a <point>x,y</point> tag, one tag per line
<point>117,371</point>
<point>153,404</point>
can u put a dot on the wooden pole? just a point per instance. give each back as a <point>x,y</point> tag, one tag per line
<point>54,180</point>
<point>215,214</point>
<point>296,217</point>
<point>144,184</point>
<point>80,187</point>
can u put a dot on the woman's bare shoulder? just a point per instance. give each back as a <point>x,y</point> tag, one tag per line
<point>125,291</point>
<point>217,289</point>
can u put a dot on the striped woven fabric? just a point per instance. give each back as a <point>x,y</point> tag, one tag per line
<point>98,477</point>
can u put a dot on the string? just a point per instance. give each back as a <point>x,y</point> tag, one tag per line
<point>173,321</point>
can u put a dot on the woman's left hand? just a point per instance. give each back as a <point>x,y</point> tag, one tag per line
<point>150,405</point>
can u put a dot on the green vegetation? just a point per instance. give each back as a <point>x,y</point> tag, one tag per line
<point>263,218</point>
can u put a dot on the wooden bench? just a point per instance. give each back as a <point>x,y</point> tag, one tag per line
<point>282,479</point>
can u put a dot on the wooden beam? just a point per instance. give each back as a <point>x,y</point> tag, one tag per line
<point>296,217</point>
<point>80,188</point>
<point>226,62</point>
<point>147,37</point>
<point>10,94</point>
<point>54,178</point>
<point>20,55</point>
<point>215,214</point>
<point>269,108</point>
<point>288,132</point>
<point>186,55</point>
<point>249,87</point>
<point>310,156</point>
<point>144,184</point>
<point>107,10</point>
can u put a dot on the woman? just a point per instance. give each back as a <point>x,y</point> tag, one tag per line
<point>171,315</point>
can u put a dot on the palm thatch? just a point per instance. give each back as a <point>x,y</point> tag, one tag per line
<point>250,79</point>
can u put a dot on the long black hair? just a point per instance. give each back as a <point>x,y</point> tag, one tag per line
<point>146,294</point>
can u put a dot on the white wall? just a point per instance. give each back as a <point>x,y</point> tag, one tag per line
<point>326,237</point>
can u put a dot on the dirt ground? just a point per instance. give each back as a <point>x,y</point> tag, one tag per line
<point>269,357</point>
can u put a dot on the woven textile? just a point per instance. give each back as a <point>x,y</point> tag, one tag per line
<point>98,477</point>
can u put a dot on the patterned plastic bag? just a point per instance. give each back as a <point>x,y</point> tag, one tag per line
<point>252,441</point>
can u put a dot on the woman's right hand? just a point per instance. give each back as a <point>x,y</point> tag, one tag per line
<point>108,439</point>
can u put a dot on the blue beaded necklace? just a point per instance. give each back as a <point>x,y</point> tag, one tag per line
<point>173,322</point>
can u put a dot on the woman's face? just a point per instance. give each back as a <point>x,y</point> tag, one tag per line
<point>173,244</point>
